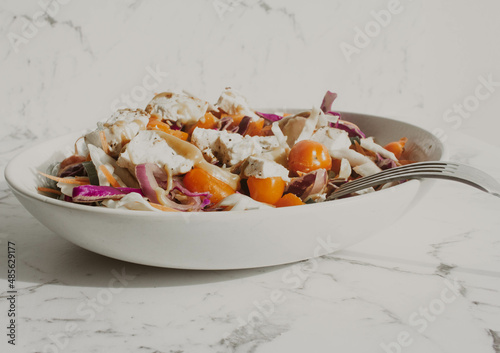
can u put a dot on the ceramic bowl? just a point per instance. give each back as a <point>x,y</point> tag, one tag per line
<point>225,240</point>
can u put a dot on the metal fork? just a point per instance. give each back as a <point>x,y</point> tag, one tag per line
<point>440,170</point>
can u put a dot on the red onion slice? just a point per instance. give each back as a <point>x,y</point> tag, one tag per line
<point>145,174</point>
<point>94,193</point>
<point>309,184</point>
<point>271,117</point>
<point>326,104</point>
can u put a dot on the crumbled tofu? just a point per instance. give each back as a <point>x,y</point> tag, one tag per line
<point>206,141</point>
<point>232,102</point>
<point>263,168</point>
<point>278,155</point>
<point>230,148</point>
<point>119,129</point>
<point>149,147</point>
<point>332,138</point>
<point>177,107</point>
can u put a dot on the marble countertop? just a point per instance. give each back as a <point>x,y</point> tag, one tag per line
<point>428,283</point>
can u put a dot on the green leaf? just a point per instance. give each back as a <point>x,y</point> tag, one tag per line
<point>355,138</point>
<point>91,172</point>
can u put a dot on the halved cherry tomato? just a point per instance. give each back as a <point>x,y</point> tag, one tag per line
<point>155,124</point>
<point>268,190</point>
<point>289,200</point>
<point>236,119</point>
<point>397,147</point>
<point>209,121</point>
<point>306,156</point>
<point>255,127</point>
<point>199,180</point>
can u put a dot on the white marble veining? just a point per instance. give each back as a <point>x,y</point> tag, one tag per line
<point>428,283</point>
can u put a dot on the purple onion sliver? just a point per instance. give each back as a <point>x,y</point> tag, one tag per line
<point>244,124</point>
<point>225,122</point>
<point>190,193</point>
<point>73,170</point>
<point>205,202</point>
<point>309,184</point>
<point>271,117</point>
<point>161,176</point>
<point>147,181</point>
<point>328,100</point>
<point>333,113</point>
<point>351,129</point>
<point>93,193</point>
<point>385,163</point>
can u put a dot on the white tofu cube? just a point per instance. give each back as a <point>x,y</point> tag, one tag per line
<point>149,147</point>
<point>119,129</point>
<point>263,168</point>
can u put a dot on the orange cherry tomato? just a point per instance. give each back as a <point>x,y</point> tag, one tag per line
<point>155,124</point>
<point>268,190</point>
<point>289,200</point>
<point>236,119</point>
<point>306,156</point>
<point>199,180</point>
<point>209,121</point>
<point>255,127</point>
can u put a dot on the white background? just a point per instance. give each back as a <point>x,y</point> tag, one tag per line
<point>71,68</point>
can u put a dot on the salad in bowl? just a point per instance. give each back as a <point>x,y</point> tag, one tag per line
<point>183,154</point>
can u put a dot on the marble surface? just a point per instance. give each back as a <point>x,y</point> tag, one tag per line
<point>428,283</point>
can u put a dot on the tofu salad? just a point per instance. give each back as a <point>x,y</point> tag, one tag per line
<point>183,154</point>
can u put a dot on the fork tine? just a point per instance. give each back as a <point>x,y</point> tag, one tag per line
<point>376,179</point>
<point>348,189</point>
<point>357,186</point>
<point>440,170</point>
<point>407,167</point>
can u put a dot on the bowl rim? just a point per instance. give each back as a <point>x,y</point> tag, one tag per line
<point>15,165</point>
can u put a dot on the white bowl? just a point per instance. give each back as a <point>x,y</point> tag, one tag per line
<point>224,240</point>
